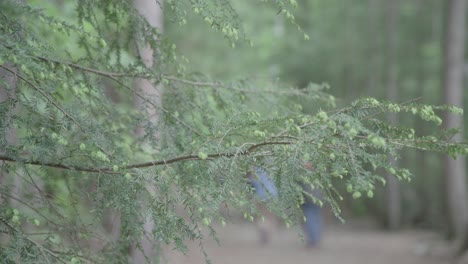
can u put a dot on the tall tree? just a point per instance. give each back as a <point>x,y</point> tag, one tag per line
<point>453,63</point>
<point>148,99</point>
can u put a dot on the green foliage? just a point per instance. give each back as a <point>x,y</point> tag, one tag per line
<point>75,157</point>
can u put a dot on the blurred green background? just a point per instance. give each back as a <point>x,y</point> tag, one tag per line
<point>360,48</point>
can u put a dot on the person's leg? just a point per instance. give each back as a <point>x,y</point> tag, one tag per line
<point>265,190</point>
<point>313,225</point>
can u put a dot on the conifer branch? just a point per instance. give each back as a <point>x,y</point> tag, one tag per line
<point>109,170</point>
<point>114,75</point>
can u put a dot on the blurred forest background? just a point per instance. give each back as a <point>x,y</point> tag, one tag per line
<point>385,49</point>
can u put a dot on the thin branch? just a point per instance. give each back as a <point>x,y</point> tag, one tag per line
<point>114,75</point>
<point>109,170</point>
<point>87,69</point>
<point>56,165</point>
<point>243,90</point>
<point>194,83</point>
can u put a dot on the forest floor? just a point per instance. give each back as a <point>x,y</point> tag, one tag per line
<point>343,244</point>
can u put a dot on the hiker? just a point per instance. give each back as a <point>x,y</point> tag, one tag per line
<point>313,226</point>
<point>265,189</point>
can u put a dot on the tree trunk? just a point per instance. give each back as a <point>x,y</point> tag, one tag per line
<point>152,12</point>
<point>454,169</point>
<point>392,190</point>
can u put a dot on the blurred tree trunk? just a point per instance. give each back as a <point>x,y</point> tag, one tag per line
<point>392,190</point>
<point>19,184</point>
<point>374,50</point>
<point>421,164</point>
<point>8,83</point>
<point>454,169</point>
<point>7,87</point>
<point>151,10</point>
<point>112,219</point>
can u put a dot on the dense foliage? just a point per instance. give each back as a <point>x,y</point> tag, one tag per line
<point>70,155</point>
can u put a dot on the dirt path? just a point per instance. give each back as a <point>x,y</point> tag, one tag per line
<point>239,245</point>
